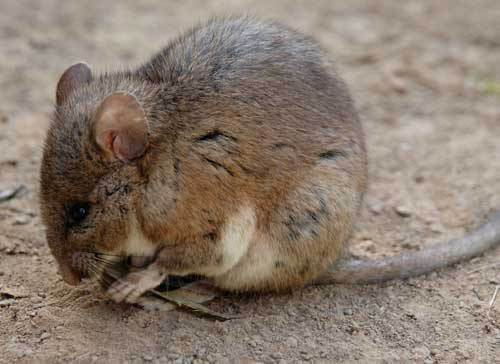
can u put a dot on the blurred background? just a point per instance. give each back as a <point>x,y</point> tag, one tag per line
<point>425,76</point>
<point>451,43</point>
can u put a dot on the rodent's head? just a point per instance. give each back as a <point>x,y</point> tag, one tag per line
<point>91,168</point>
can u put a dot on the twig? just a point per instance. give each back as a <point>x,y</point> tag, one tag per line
<point>477,294</point>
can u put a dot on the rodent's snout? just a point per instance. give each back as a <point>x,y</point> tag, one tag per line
<point>70,275</point>
<point>72,269</point>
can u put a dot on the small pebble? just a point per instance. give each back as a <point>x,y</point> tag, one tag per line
<point>36,299</point>
<point>7,302</point>
<point>347,311</point>
<point>44,336</point>
<point>276,355</point>
<point>22,220</point>
<point>403,211</point>
<point>147,358</point>
<point>306,355</point>
<point>436,228</point>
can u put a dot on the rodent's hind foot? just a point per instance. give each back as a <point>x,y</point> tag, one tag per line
<point>132,286</point>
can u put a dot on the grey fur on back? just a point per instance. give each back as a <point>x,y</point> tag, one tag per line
<point>226,52</point>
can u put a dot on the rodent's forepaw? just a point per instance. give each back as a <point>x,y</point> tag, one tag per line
<point>134,285</point>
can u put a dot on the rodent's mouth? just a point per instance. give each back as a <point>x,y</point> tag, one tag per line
<point>98,266</point>
<point>139,261</point>
<point>106,268</point>
<point>71,276</point>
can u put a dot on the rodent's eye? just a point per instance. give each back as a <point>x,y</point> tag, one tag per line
<point>77,213</point>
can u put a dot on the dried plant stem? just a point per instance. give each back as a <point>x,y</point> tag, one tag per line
<point>494,298</point>
<point>176,298</point>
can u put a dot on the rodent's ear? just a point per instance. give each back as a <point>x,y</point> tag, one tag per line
<point>74,76</point>
<point>120,127</point>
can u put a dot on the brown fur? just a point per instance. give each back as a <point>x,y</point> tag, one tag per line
<point>239,113</point>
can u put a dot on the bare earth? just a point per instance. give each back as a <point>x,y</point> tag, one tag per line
<point>426,78</point>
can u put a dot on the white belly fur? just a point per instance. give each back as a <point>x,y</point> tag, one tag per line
<point>248,254</point>
<point>252,271</point>
<point>235,241</point>
<point>137,244</point>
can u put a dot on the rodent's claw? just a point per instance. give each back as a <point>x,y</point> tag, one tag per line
<point>131,287</point>
<point>122,291</point>
<point>151,303</point>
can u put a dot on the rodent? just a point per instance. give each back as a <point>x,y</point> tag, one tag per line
<point>235,153</point>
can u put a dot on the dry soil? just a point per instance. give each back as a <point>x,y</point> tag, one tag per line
<point>426,79</point>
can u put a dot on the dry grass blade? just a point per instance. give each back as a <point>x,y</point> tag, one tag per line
<point>189,297</point>
<point>494,298</point>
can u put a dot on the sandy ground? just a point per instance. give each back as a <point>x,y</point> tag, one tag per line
<point>425,75</point>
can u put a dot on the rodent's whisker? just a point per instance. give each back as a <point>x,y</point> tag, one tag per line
<point>108,278</point>
<point>104,255</point>
<point>99,272</point>
<point>95,268</point>
<point>99,266</point>
<point>108,266</point>
<point>104,261</point>
<point>100,253</point>
<point>93,273</point>
<point>106,281</point>
<point>105,268</point>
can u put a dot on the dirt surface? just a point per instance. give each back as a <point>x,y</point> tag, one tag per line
<point>426,78</point>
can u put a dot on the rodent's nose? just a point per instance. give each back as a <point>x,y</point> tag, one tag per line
<point>69,275</point>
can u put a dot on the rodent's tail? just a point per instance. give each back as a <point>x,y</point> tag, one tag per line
<point>412,264</point>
